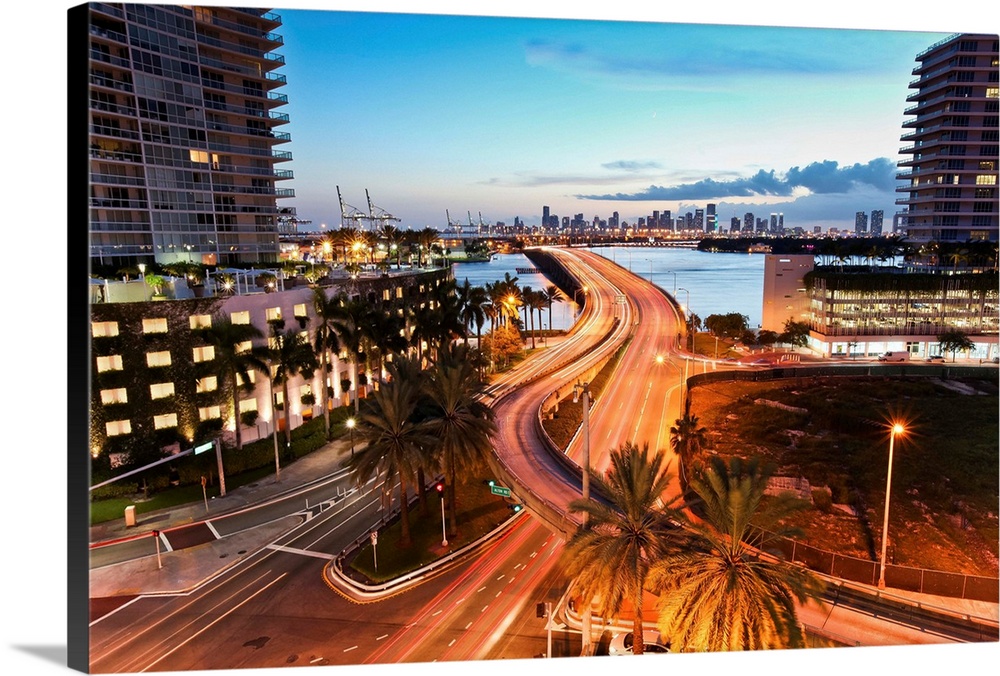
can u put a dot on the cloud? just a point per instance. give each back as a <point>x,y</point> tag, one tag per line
<point>631,165</point>
<point>826,177</point>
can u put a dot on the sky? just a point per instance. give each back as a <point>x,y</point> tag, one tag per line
<point>440,117</point>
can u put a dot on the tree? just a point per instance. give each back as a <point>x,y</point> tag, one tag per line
<point>687,438</point>
<point>611,554</point>
<point>458,422</point>
<point>552,295</point>
<point>232,360</point>
<point>325,343</point>
<point>720,591</point>
<point>954,340</point>
<point>290,355</point>
<point>730,325</point>
<point>393,442</point>
<point>795,333</point>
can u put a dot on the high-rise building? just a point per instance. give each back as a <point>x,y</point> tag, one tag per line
<point>875,224</point>
<point>950,158</point>
<point>781,222</point>
<point>545,217</point>
<point>710,218</point>
<point>860,223</point>
<point>699,219</point>
<point>748,221</point>
<point>734,224</point>
<point>184,139</point>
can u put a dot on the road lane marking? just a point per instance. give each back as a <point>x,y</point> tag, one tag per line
<point>452,642</point>
<point>459,601</point>
<point>353,647</point>
<point>480,589</point>
<point>500,578</point>
<point>484,609</point>
<point>382,637</point>
<point>303,552</point>
<point>437,613</point>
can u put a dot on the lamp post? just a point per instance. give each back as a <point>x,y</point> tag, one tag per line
<point>687,310</point>
<point>584,390</point>
<point>675,280</point>
<point>894,430</point>
<point>351,422</point>
<point>274,421</point>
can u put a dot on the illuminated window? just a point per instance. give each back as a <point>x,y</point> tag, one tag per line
<point>248,405</point>
<point>110,363</point>
<point>251,377</point>
<point>165,421</point>
<point>207,384</point>
<point>986,180</point>
<point>199,156</point>
<point>240,317</point>
<point>116,396</point>
<point>272,314</point>
<point>104,329</point>
<point>300,310</point>
<point>206,353</point>
<point>158,325</point>
<point>201,321</point>
<point>161,390</point>
<point>116,427</point>
<point>154,359</point>
<point>245,346</point>
<point>209,413</point>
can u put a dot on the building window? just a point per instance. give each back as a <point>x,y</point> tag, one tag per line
<point>207,384</point>
<point>272,314</point>
<point>117,427</point>
<point>248,405</point>
<point>206,353</point>
<point>209,413</point>
<point>103,329</point>
<point>154,359</point>
<point>201,322</point>
<point>157,325</point>
<point>251,378</point>
<point>986,180</point>
<point>161,390</point>
<point>240,317</point>
<point>300,310</point>
<point>116,396</point>
<point>109,363</point>
<point>245,346</point>
<point>165,421</point>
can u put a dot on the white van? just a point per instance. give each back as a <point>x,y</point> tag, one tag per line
<point>895,356</point>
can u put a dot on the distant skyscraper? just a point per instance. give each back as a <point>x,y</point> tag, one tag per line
<point>781,222</point>
<point>860,223</point>
<point>545,217</point>
<point>748,221</point>
<point>710,218</point>
<point>875,225</point>
<point>699,219</point>
<point>950,160</point>
<point>774,223</point>
<point>184,134</point>
<point>734,224</point>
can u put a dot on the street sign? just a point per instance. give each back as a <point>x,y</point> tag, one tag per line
<point>207,446</point>
<point>500,490</point>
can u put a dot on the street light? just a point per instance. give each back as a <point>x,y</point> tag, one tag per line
<point>584,389</point>
<point>675,280</point>
<point>893,431</point>
<point>351,422</point>
<point>687,311</point>
<point>439,487</point>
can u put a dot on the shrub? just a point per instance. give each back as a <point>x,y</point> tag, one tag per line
<point>249,418</point>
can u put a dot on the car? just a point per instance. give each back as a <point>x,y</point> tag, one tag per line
<point>762,362</point>
<point>935,358</point>
<point>621,644</point>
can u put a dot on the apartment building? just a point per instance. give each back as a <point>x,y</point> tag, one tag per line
<point>185,134</point>
<point>949,164</point>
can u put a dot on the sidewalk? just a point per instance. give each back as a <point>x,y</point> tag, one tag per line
<point>187,568</point>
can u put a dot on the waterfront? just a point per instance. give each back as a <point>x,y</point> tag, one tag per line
<point>716,283</point>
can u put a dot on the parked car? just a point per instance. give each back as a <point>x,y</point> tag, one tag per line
<point>935,358</point>
<point>621,644</point>
<point>901,355</point>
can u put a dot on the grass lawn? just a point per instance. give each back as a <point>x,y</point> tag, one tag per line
<point>479,512</point>
<point>943,512</point>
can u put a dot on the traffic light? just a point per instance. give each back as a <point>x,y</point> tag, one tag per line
<point>489,482</point>
<point>439,487</point>
<point>516,507</point>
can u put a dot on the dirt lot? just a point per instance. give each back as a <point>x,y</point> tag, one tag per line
<point>833,432</point>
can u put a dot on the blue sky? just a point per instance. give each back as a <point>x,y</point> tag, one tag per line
<point>502,115</point>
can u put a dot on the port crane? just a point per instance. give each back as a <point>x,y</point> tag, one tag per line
<point>378,216</point>
<point>350,217</point>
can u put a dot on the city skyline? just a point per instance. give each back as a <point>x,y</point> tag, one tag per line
<point>591,117</point>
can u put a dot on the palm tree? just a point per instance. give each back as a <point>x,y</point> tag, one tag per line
<point>717,592</point>
<point>536,301</point>
<point>471,300</point>
<point>325,343</point>
<point>611,554</point>
<point>552,295</point>
<point>460,425</point>
<point>393,442</point>
<point>527,297</point>
<point>426,239</point>
<point>233,360</point>
<point>290,355</point>
<point>687,438</point>
<point>352,317</point>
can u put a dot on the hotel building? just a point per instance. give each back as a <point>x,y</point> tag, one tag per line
<point>184,134</point>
